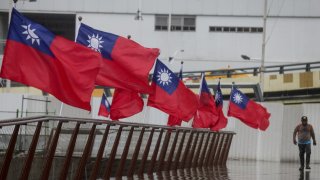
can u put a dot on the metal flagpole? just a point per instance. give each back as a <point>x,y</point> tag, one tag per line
<point>8,82</point>
<point>263,46</point>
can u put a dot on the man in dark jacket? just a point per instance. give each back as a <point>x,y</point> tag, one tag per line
<point>305,133</point>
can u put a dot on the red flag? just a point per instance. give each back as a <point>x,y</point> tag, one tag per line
<point>174,121</point>
<point>104,109</point>
<point>170,94</point>
<point>126,63</point>
<point>248,111</point>
<point>36,57</point>
<point>222,120</point>
<point>206,115</point>
<point>125,104</point>
<point>265,115</point>
<point>202,119</point>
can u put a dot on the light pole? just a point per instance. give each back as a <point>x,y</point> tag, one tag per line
<point>8,82</point>
<point>263,49</point>
<point>263,46</point>
<point>138,15</point>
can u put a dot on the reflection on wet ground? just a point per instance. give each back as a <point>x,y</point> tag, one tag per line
<point>241,170</point>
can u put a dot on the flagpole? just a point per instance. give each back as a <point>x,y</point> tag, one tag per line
<point>232,86</point>
<point>234,123</point>
<point>61,107</point>
<point>197,113</point>
<point>8,82</point>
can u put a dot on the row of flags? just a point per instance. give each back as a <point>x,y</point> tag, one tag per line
<point>207,114</point>
<point>70,70</point>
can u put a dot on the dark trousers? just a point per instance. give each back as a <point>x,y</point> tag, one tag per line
<point>304,148</point>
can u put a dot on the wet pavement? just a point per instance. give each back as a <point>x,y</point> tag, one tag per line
<point>241,170</point>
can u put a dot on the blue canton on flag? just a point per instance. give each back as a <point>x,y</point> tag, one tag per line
<point>238,98</point>
<point>204,85</point>
<point>29,33</point>
<point>105,102</point>
<point>218,96</point>
<point>165,78</point>
<point>99,41</point>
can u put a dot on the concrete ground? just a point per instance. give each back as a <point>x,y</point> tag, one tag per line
<point>242,170</point>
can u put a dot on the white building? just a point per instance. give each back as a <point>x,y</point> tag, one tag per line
<point>212,33</point>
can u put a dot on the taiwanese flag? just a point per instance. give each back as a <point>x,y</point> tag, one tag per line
<point>125,103</point>
<point>36,57</point>
<point>126,63</point>
<point>173,120</point>
<point>248,111</point>
<point>104,109</point>
<point>206,115</point>
<point>222,120</point>
<point>170,94</point>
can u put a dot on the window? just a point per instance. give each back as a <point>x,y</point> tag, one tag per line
<point>3,30</point>
<point>183,23</point>
<point>178,23</point>
<point>233,29</point>
<point>161,22</point>
<point>253,29</point>
<point>189,24</point>
<point>226,29</point>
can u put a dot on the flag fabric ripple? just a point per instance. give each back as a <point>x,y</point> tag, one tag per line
<point>173,120</point>
<point>249,112</point>
<point>36,57</point>
<point>126,63</point>
<point>105,106</point>
<point>125,103</point>
<point>170,95</point>
<point>206,115</point>
<point>222,120</point>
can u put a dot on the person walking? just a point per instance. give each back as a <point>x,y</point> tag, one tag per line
<point>305,133</point>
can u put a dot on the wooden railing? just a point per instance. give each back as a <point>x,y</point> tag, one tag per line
<point>124,149</point>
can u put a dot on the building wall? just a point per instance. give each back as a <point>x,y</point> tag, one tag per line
<point>290,40</point>
<point>203,7</point>
<point>292,28</point>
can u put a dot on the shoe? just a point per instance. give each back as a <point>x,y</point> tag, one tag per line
<point>308,167</point>
<point>301,168</point>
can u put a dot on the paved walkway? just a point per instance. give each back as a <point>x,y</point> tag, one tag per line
<point>242,170</point>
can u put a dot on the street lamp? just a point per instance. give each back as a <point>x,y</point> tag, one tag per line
<point>261,69</point>
<point>171,58</point>
<point>245,57</point>
<point>138,15</point>
<point>248,58</point>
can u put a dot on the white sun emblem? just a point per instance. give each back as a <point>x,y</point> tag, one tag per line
<point>31,34</point>
<point>106,103</point>
<point>164,77</point>
<point>217,97</point>
<point>95,42</point>
<point>237,98</point>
